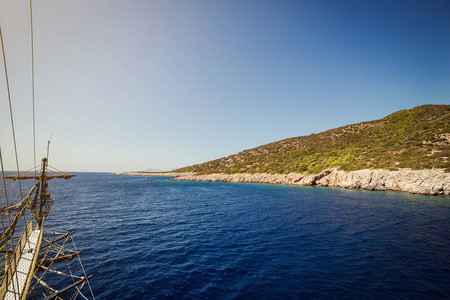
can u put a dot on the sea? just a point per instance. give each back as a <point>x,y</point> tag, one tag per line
<point>160,239</point>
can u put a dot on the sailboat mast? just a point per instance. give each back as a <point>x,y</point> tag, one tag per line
<point>43,194</point>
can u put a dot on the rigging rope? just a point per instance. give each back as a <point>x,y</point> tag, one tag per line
<point>6,199</point>
<point>54,249</point>
<point>32,83</point>
<point>82,267</point>
<point>1,159</point>
<point>15,146</point>
<point>10,110</point>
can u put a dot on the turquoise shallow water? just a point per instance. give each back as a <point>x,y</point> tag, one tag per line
<point>159,239</point>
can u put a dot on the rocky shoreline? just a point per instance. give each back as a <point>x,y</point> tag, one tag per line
<point>425,182</point>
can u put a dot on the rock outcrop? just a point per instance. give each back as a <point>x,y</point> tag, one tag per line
<point>426,182</point>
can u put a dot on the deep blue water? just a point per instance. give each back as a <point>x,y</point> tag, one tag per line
<point>160,239</point>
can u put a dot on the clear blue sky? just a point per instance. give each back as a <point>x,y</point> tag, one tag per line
<point>132,85</point>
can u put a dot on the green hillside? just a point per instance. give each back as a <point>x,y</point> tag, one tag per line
<point>418,138</point>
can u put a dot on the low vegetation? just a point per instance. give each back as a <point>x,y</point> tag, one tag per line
<point>418,138</point>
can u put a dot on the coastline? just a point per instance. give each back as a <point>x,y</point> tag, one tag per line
<point>424,182</point>
<point>159,174</point>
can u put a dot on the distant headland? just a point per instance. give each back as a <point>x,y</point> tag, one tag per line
<point>406,151</point>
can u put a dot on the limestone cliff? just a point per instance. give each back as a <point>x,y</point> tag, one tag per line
<point>426,182</point>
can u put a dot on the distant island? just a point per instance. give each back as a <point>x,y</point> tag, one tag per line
<point>407,151</point>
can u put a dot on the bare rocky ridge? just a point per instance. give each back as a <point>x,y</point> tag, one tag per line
<point>426,182</point>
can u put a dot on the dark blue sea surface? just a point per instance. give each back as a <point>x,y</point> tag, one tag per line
<point>160,239</point>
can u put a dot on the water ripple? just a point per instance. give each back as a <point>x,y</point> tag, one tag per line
<point>157,239</point>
